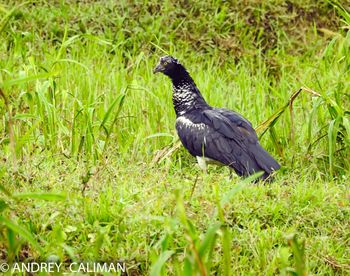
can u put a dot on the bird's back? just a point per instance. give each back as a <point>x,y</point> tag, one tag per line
<point>224,136</point>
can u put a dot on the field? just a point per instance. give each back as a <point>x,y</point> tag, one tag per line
<point>90,167</point>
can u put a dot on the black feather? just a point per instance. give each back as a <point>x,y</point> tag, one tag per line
<point>220,134</point>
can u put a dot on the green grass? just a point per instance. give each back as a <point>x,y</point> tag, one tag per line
<point>83,118</point>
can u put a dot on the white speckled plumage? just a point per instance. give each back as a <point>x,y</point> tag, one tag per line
<point>187,123</point>
<point>183,96</point>
<point>213,134</point>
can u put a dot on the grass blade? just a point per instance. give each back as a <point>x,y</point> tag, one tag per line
<point>22,232</point>
<point>6,19</point>
<point>28,78</point>
<point>208,240</point>
<point>119,99</point>
<point>332,135</point>
<point>42,196</point>
<point>158,265</point>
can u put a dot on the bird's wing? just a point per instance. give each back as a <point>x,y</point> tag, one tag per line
<point>192,134</point>
<point>239,133</point>
<point>232,125</point>
<point>211,134</point>
<point>244,126</point>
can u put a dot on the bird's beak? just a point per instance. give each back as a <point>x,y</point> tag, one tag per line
<point>158,68</point>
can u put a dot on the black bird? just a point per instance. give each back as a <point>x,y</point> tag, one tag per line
<point>213,134</point>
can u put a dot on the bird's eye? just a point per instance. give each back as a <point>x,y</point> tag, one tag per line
<point>165,63</point>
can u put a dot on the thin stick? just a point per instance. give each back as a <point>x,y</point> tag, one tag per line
<point>293,97</point>
<point>291,101</point>
<point>194,185</point>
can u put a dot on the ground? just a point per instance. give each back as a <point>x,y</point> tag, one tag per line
<point>85,125</point>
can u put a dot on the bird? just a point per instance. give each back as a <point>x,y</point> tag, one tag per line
<point>214,135</point>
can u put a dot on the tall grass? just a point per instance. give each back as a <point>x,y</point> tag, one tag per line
<point>82,113</point>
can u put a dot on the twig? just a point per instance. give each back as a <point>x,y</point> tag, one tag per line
<point>334,264</point>
<point>198,259</point>
<point>310,91</point>
<point>166,152</point>
<point>291,101</point>
<point>262,128</point>
<point>194,186</point>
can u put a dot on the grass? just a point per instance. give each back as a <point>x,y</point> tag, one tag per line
<point>83,117</point>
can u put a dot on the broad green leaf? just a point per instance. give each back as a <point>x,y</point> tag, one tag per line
<point>226,248</point>
<point>98,39</point>
<point>346,124</point>
<point>298,249</point>
<point>208,241</point>
<point>71,61</point>
<point>70,251</point>
<point>157,266</point>
<point>43,196</point>
<point>3,205</point>
<point>109,111</point>
<point>188,271</point>
<point>332,136</point>
<point>343,12</point>
<point>24,233</point>
<point>28,78</point>
<point>24,116</point>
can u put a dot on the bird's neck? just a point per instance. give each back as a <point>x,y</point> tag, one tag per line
<point>186,95</point>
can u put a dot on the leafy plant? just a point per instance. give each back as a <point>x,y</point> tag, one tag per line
<point>12,233</point>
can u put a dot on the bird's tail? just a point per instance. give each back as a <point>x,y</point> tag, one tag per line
<point>265,161</point>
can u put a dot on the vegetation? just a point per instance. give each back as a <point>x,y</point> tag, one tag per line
<point>90,167</point>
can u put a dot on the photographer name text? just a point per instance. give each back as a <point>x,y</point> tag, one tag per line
<point>83,267</point>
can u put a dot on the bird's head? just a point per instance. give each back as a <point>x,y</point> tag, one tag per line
<point>169,66</point>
